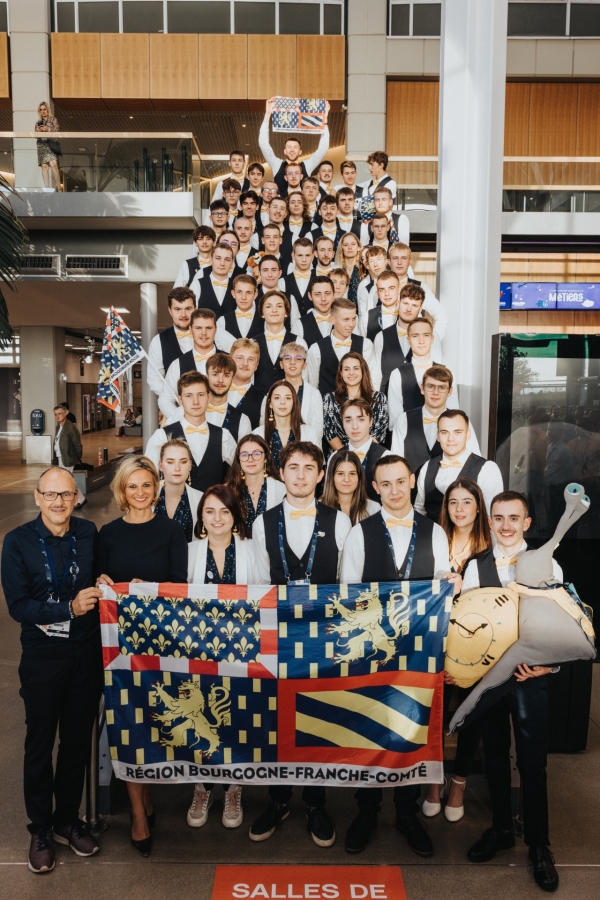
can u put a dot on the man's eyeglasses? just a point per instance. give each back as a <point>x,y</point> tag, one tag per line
<point>293,358</point>
<point>440,388</point>
<point>245,456</point>
<point>219,212</point>
<point>53,495</point>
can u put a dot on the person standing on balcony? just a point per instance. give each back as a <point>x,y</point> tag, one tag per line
<point>291,151</point>
<point>47,157</point>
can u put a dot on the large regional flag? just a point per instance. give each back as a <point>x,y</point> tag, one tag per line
<point>304,684</point>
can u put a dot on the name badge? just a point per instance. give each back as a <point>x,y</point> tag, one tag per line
<point>300,581</point>
<point>57,629</point>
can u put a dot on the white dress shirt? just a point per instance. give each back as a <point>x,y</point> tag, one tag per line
<point>313,361</point>
<point>156,366</point>
<point>167,401</point>
<point>275,344</point>
<point>311,409</point>
<point>184,272</point>
<point>224,338</point>
<point>324,327</point>
<point>299,533</point>
<point>391,184</point>
<point>244,562</point>
<point>489,480</point>
<point>387,320</point>
<point>218,194</point>
<point>218,289</point>
<point>217,418</point>
<point>360,451</point>
<point>506,574</point>
<point>366,296</point>
<point>353,557</point>
<point>430,430</point>
<point>197,443</point>
<point>395,397</point>
<point>275,163</point>
<point>238,392</point>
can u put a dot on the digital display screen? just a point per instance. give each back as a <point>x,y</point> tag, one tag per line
<point>534,294</point>
<point>583,295</point>
<point>505,294</point>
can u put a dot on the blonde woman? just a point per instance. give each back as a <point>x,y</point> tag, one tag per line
<point>140,546</point>
<point>46,148</point>
<point>347,257</point>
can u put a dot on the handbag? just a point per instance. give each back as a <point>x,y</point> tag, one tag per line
<point>54,146</point>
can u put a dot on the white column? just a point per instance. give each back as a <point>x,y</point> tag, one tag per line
<point>149,330</point>
<point>43,378</point>
<point>365,129</point>
<point>30,81</point>
<point>471,149</point>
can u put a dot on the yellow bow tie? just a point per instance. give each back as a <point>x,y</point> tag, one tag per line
<point>347,343</point>
<point>200,357</point>
<point>320,319</point>
<point>455,464</point>
<point>360,454</point>
<point>322,271</point>
<point>329,230</point>
<point>275,337</point>
<point>375,182</point>
<point>240,314</point>
<point>183,334</point>
<point>203,261</point>
<point>245,248</point>
<point>300,276</point>
<point>217,409</point>
<point>312,209</point>
<point>298,513</point>
<point>505,561</point>
<point>347,220</point>
<point>402,332</point>
<point>240,388</point>
<point>296,223</point>
<point>220,283</point>
<point>393,523</point>
<point>191,429</point>
<point>430,420</point>
<point>389,311</point>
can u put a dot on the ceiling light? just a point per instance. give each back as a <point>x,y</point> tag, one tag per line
<point>119,309</point>
<point>80,348</point>
<point>243,126</point>
<point>131,117</point>
<point>68,345</point>
<point>81,149</point>
<point>88,359</point>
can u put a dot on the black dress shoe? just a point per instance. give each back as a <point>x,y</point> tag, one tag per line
<point>544,872</point>
<point>152,819</point>
<point>414,831</point>
<point>489,843</point>
<point>145,845</point>
<point>360,831</point>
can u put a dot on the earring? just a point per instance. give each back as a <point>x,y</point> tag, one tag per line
<point>234,530</point>
<point>271,415</point>
<point>161,478</point>
<point>265,473</point>
<point>203,531</point>
<point>242,475</point>
<point>189,479</point>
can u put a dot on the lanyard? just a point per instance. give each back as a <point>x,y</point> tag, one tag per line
<point>70,567</point>
<point>311,556</point>
<point>411,551</point>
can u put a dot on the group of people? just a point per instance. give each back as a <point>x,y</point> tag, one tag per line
<point>310,434</point>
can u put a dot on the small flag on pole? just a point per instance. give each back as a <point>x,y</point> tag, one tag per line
<point>120,351</point>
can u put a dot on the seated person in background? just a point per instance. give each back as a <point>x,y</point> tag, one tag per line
<point>353,380</point>
<point>341,281</point>
<point>345,487</point>
<point>329,226</point>
<point>455,461</point>
<point>237,164</point>
<point>177,500</point>
<point>253,478</point>
<point>345,215</point>
<point>243,394</point>
<point>212,448</point>
<point>244,320</point>
<point>376,263</point>
<point>316,323</point>
<point>217,217</point>
<point>275,308</point>
<point>269,276</point>
<point>324,172</point>
<point>283,420</point>
<point>213,290</point>
<point>378,163</point>
<point>348,173</point>
<point>138,415</point>
<point>325,355</point>
<point>128,420</point>
<point>415,430</point>
<point>310,191</point>
<point>220,370</point>
<point>357,419</point>
<point>292,150</point>
<point>385,314</point>
<point>292,359</point>
<point>296,283</point>
<point>391,345</point>
<point>204,238</point>
<point>323,255</point>
<point>203,326</point>
<point>231,195</point>
<point>404,387</point>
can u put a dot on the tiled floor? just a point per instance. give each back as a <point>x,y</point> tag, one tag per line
<point>183,862</point>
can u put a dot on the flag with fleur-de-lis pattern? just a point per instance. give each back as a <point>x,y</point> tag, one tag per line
<point>299,114</point>
<point>299,684</point>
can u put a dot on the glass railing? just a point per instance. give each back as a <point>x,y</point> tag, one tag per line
<point>111,161</point>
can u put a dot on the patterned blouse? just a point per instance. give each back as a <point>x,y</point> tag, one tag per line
<point>332,420</point>
<point>183,513</point>
<point>212,573</point>
<point>277,447</point>
<point>251,513</point>
<point>353,286</point>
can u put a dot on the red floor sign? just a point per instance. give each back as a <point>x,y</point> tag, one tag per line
<point>308,883</point>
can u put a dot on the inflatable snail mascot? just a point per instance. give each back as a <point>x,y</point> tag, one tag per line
<point>533,621</point>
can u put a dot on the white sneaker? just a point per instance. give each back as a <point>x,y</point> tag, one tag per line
<point>233,814</point>
<point>201,803</point>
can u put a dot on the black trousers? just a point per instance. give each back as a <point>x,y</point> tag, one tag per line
<point>313,795</point>
<point>468,737</point>
<point>527,705</point>
<point>405,799</point>
<point>61,686</point>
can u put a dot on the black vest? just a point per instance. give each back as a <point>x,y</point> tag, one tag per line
<point>250,405</point>
<point>318,232</point>
<point>208,298</point>
<point>279,177</point>
<point>416,448</point>
<point>358,191</point>
<point>383,183</point>
<point>230,324</point>
<point>292,290</point>
<point>433,498</point>
<point>392,355</point>
<point>311,330</point>
<point>169,346</point>
<point>373,326</point>
<point>330,362</point>
<point>187,361</point>
<point>268,372</point>
<point>193,266</point>
<point>212,469</point>
<point>232,420</point>
<point>379,563</point>
<point>375,452</point>
<point>325,563</point>
<point>355,229</point>
<point>412,398</point>
<point>487,569</point>
<point>288,239</point>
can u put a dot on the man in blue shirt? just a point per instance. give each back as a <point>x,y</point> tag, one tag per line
<point>48,578</point>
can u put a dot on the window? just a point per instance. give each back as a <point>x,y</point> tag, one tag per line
<point>585,20</point>
<point>537,19</point>
<point>3,17</point>
<point>200,16</point>
<point>400,22</point>
<point>415,19</point>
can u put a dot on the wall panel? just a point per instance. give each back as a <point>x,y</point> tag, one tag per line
<point>4,71</point>
<point>271,66</point>
<point>588,119</point>
<point>412,118</point>
<point>125,66</point>
<point>516,122</point>
<point>222,66</point>
<point>321,66</point>
<point>75,65</point>
<point>553,119</point>
<point>174,66</point>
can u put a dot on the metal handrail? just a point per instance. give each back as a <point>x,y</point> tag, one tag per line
<point>132,135</point>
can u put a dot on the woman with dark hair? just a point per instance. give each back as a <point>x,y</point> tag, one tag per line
<point>353,380</point>
<point>221,555</point>
<point>464,519</point>
<point>283,420</point>
<point>345,487</point>
<point>253,478</point>
<point>177,500</point>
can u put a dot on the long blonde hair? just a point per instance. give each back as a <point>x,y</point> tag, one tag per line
<point>47,105</point>
<point>340,259</point>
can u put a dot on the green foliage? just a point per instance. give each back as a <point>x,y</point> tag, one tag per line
<point>12,240</point>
